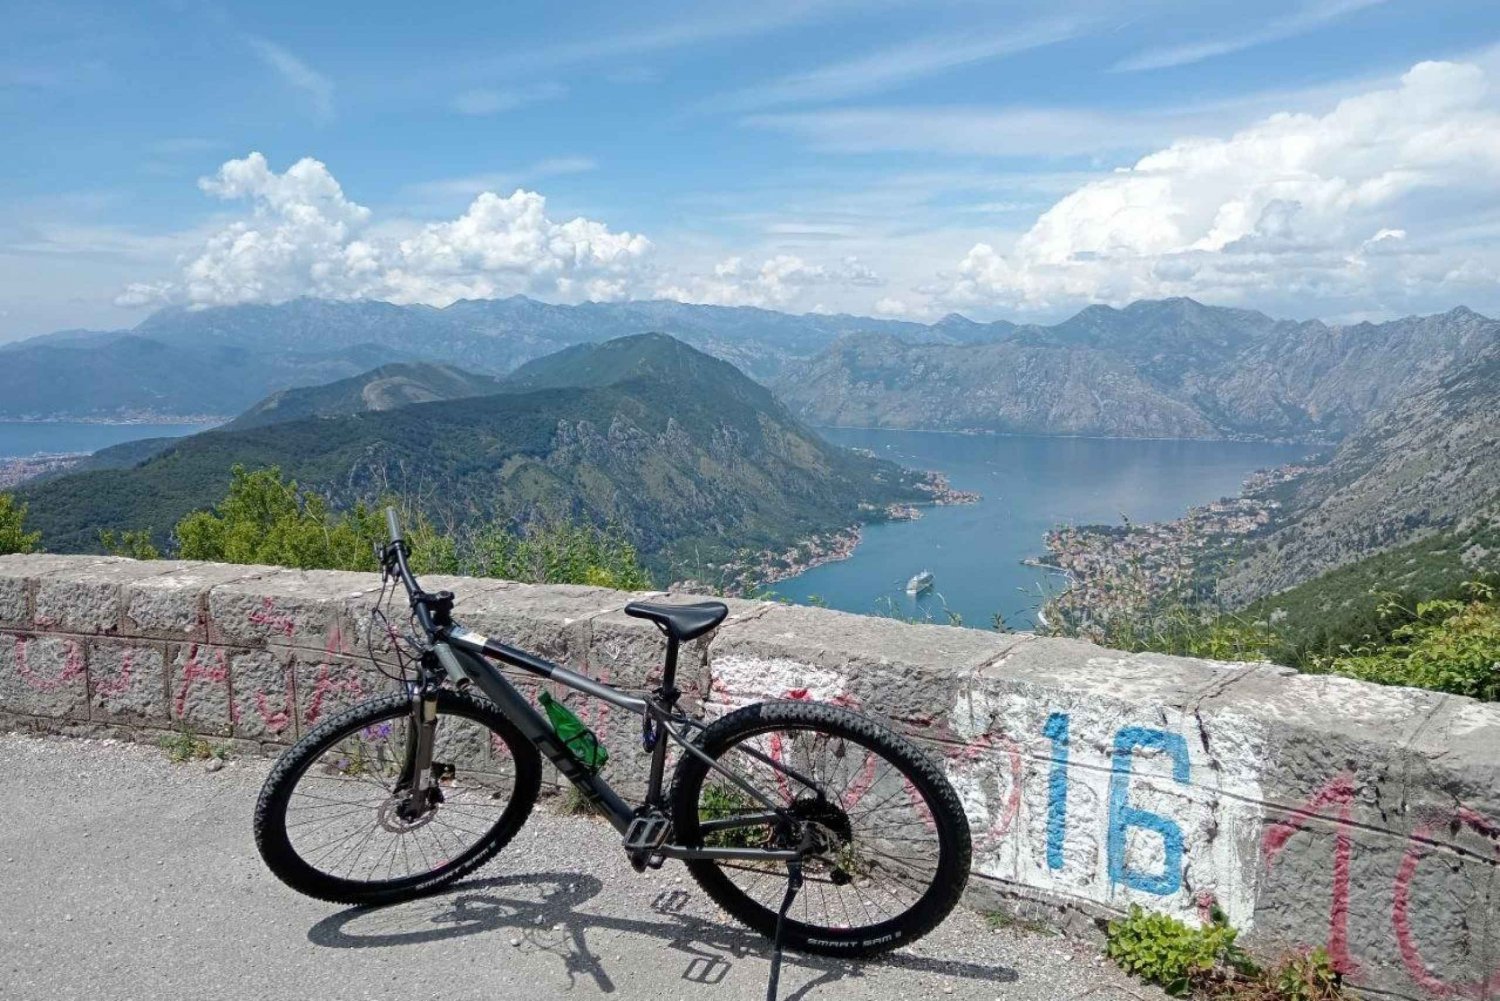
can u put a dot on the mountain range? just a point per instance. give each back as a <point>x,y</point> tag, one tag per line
<point>696,464</point>
<point>1173,368</point>
<point>222,360</point>
<point>537,410</point>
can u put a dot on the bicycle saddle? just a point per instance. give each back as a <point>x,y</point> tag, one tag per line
<point>681,622</point>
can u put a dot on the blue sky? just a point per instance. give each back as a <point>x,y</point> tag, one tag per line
<point>1334,158</point>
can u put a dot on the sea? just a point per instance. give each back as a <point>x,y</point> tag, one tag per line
<point>1028,484</point>
<point>20,439</point>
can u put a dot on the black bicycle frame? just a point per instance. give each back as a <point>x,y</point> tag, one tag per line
<point>470,655</point>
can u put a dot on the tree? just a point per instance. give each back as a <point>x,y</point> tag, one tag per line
<point>267,519</point>
<point>556,553</point>
<point>134,543</point>
<point>13,535</point>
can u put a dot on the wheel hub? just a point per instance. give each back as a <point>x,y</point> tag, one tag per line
<point>397,816</point>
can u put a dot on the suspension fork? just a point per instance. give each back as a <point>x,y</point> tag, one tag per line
<point>416,773</point>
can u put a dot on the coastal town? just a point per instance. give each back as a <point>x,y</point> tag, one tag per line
<point>759,570</point>
<point>1116,570</point>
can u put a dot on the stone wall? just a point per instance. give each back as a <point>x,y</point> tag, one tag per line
<point>1314,810</point>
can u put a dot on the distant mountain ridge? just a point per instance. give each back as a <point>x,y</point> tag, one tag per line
<point>697,464</point>
<point>384,388</point>
<point>221,360</point>
<point>1169,368</point>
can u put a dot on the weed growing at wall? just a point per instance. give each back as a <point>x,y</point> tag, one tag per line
<point>185,746</point>
<point>1207,962</point>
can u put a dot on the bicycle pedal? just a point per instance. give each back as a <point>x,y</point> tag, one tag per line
<point>647,833</point>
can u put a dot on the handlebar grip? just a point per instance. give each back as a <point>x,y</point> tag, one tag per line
<point>392,524</point>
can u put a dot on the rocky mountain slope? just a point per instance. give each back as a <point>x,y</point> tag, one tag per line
<point>383,388</point>
<point>1430,462</point>
<point>882,381</point>
<point>1172,368</point>
<point>692,460</point>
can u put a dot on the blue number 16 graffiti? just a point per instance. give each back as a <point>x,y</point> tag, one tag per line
<point>1122,816</point>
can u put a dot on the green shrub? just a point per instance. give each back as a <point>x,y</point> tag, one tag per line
<point>1182,960</point>
<point>1446,645</point>
<point>1208,963</point>
<point>265,518</point>
<point>136,544</point>
<point>13,535</point>
<point>555,553</point>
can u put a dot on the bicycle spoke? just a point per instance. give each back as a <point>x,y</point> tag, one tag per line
<point>346,818</point>
<point>888,851</point>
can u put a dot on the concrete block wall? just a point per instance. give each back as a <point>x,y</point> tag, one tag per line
<point>1314,810</point>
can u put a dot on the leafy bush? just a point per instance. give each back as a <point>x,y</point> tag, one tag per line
<point>1162,950</point>
<point>13,535</point>
<point>266,519</point>
<point>1445,645</point>
<point>136,544</point>
<point>1207,963</point>
<point>556,553</point>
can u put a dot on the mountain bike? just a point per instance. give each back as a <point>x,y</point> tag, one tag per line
<point>770,805</point>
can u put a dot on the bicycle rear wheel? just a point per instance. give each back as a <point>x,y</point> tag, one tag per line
<point>893,842</point>
<point>332,820</point>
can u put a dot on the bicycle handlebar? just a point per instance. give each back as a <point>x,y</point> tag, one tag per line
<point>395,557</point>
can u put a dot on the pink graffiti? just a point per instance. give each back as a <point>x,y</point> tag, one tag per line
<point>267,615</point>
<point>276,720</point>
<point>71,671</point>
<point>327,684</point>
<point>195,670</point>
<point>1411,956</point>
<point>120,683</point>
<point>1340,792</point>
<point>979,748</point>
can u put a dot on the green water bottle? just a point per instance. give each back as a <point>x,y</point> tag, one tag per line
<point>579,739</point>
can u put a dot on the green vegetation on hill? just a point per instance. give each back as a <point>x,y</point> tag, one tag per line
<point>1425,615</point>
<point>383,388</point>
<point>266,519</point>
<point>692,463</point>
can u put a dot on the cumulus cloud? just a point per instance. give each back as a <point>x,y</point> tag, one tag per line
<point>304,236</point>
<point>776,281</point>
<point>1360,203</point>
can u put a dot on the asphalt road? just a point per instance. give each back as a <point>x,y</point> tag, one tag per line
<point>124,876</point>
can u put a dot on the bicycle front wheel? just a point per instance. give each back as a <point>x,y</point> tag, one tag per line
<point>334,820</point>
<point>892,842</point>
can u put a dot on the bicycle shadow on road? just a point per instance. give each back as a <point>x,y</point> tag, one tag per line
<point>547,918</point>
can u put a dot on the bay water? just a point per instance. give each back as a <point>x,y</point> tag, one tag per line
<point>1028,485</point>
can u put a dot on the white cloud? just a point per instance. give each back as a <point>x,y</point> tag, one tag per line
<point>493,101</point>
<point>777,281</point>
<point>314,86</point>
<point>896,66</point>
<point>305,237</point>
<point>1354,205</point>
<point>1309,18</point>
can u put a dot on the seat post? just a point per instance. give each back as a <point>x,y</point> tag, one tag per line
<point>669,670</point>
